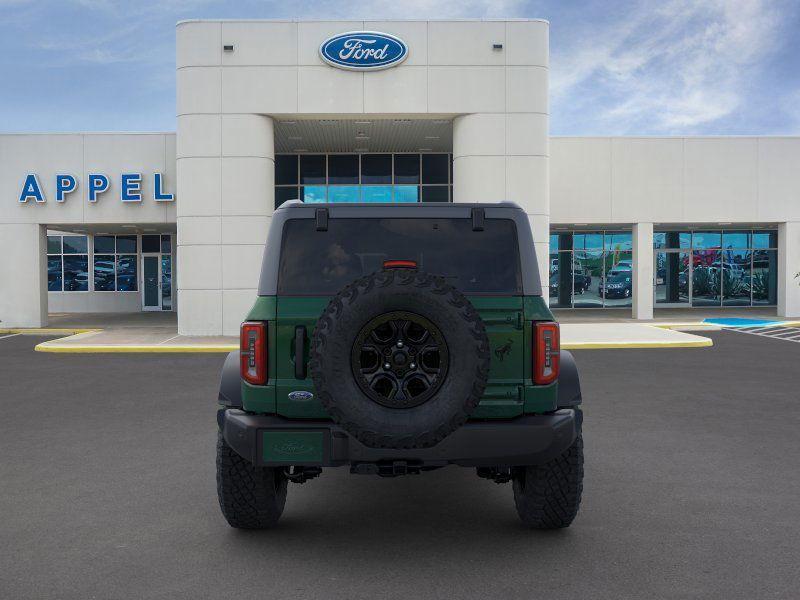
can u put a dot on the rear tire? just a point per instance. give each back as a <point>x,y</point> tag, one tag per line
<point>250,497</point>
<point>548,496</point>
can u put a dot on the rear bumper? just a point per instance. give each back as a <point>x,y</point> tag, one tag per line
<point>267,440</point>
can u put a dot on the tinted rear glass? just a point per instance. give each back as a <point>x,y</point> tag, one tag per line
<point>322,262</point>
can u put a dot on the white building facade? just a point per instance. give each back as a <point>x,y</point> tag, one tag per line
<point>126,222</point>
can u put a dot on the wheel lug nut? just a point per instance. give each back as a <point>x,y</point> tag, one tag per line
<point>413,366</point>
<point>400,344</point>
<point>387,366</point>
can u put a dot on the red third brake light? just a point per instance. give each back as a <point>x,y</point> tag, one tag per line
<point>399,264</point>
<point>253,352</point>
<point>546,352</point>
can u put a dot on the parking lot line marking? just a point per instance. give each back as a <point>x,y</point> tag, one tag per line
<point>789,334</point>
<point>784,334</point>
<point>2,337</point>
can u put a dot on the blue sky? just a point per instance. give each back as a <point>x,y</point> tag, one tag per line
<point>617,68</point>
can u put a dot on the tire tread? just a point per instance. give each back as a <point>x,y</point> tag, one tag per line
<point>548,496</point>
<point>250,497</point>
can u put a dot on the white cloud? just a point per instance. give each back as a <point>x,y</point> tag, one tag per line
<point>126,37</point>
<point>669,69</point>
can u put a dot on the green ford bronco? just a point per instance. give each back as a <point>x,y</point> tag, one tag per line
<point>398,339</point>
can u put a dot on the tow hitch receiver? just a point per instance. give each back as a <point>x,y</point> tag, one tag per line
<point>388,469</point>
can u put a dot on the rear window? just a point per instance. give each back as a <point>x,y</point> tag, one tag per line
<point>322,262</point>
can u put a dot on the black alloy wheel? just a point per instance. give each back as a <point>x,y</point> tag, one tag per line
<point>400,359</point>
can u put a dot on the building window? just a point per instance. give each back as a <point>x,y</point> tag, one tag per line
<point>166,272</point>
<point>67,263</point>
<point>376,178</point>
<point>115,263</point>
<point>716,268</point>
<point>591,269</point>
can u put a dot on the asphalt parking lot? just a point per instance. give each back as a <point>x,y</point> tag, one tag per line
<point>692,491</point>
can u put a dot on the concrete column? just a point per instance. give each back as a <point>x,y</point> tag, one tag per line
<point>226,174</point>
<point>788,269</point>
<point>642,271</point>
<point>499,157</point>
<point>23,273</point>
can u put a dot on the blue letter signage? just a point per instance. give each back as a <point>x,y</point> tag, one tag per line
<point>31,190</point>
<point>98,183</point>
<point>363,50</point>
<point>65,184</point>
<point>158,194</point>
<point>130,187</point>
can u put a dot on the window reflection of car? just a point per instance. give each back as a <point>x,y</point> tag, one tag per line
<point>683,281</point>
<point>623,267</point>
<point>103,268</point>
<point>582,281</point>
<point>79,282</point>
<point>617,286</point>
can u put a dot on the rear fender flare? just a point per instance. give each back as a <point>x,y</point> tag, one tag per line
<point>230,382</point>
<point>569,384</point>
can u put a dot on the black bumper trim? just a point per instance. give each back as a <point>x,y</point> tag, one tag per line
<point>527,440</point>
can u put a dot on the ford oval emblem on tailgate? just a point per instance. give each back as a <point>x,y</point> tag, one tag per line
<point>363,50</point>
<point>300,396</point>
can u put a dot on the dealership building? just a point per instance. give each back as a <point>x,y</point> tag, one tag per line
<point>389,111</point>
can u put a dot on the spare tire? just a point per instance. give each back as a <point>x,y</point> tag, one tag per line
<point>400,359</point>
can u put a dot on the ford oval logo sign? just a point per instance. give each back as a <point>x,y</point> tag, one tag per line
<point>363,50</point>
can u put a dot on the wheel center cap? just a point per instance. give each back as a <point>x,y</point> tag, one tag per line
<point>400,358</point>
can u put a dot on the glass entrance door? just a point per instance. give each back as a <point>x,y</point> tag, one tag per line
<point>672,271</point>
<point>151,276</point>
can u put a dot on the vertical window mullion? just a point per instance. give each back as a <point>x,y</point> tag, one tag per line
<point>116,283</point>
<point>419,183</point>
<point>61,237</point>
<point>751,251</point>
<point>603,272</point>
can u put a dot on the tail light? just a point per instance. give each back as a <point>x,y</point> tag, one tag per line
<point>399,264</point>
<point>546,351</point>
<point>253,352</point>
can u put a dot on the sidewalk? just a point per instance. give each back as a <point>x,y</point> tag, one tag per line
<point>158,332</point>
<point>137,339</point>
<point>663,315</point>
<point>599,336</point>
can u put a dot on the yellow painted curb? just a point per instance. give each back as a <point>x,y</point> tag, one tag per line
<point>686,326</point>
<point>704,343</point>
<point>100,349</point>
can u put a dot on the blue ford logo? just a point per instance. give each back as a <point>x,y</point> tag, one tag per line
<point>300,396</point>
<point>363,50</point>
